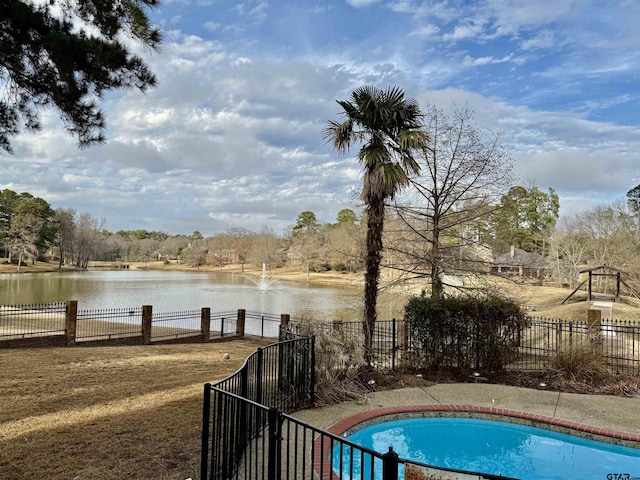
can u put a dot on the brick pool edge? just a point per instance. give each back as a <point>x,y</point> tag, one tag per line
<point>364,419</point>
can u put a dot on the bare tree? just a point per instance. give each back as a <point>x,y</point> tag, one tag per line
<point>87,238</point>
<point>66,232</point>
<point>265,247</point>
<point>307,249</point>
<point>612,233</point>
<point>241,240</point>
<point>603,235</point>
<point>23,236</point>
<point>464,169</point>
<point>571,247</point>
<point>345,244</point>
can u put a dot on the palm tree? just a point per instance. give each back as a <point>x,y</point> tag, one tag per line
<point>387,126</point>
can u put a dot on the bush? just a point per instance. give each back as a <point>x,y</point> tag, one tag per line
<point>481,333</point>
<point>319,267</point>
<point>339,362</point>
<point>583,364</point>
<point>339,267</point>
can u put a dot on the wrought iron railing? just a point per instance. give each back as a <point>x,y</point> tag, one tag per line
<point>248,432</point>
<point>108,323</point>
<point>617,341</point>
<point>33,320</point>
<point>242,414</point>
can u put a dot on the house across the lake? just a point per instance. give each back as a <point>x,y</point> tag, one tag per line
<point>521,263</point>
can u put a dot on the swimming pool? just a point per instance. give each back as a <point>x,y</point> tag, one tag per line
<point>496,447</point>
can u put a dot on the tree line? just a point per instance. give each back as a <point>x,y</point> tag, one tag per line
<point>30,229</point>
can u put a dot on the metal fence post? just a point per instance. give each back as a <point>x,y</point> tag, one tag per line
<point>570,334</point>
<point>258,375</point>
<point>393,346</point>
<point>390,465</point>
<point>312,381</point>
<point>244,406</point>
<point>206,416</point>
<point>275,454</point>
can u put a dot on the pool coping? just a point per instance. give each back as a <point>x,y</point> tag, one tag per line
<point>364,419</point>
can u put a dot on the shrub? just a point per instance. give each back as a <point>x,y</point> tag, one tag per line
<point>319,267</point>
<point>339,267</point>
<point>583,364</point>
<point>481,333</point>
<point>339,362</point>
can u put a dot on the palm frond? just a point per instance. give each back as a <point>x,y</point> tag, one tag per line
<point>388,125</point>
<point>339,134</point>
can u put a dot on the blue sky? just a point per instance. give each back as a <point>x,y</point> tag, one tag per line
<point>232,134</point>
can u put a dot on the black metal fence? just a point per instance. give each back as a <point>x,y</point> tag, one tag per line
<point>388,342</point>
<point>248,433</point>
<point>63,324</point>
<point>223,323</point>
<point>181,324</point>
<point>617,341</point>
<point>242,414</point>
<point>108,323</point>
<point>24,321</point>
<point>264,325</point>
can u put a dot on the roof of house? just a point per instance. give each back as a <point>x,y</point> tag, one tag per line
<point>520,258</point>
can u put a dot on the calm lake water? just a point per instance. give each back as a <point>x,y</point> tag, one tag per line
<point>171,291</point>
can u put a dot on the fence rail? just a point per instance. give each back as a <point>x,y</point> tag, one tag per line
<point>97,324</point>
<point>618,341</point>
<point>242,413</point>
<point>263,324</point>
<point>186,323</point>
<point>223,323</point>
<point>33,320</point>
<point>248,432</point>
<point>63,324</point>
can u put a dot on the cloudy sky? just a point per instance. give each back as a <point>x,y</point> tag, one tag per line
<point>232,134</point>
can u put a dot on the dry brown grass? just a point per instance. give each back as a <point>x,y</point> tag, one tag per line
<point>107,412</point>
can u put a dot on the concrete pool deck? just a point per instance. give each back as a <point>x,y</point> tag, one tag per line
<point>604,412</point>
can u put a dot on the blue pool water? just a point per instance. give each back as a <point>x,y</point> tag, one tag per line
<point>497,448</point>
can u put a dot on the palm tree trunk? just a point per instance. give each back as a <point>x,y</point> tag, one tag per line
<point>375,225</point>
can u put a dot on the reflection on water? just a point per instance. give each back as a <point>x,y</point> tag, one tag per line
<point>170,291</point>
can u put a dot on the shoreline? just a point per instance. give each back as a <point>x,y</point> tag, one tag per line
<point>287,274</point>
<point>542,301</point>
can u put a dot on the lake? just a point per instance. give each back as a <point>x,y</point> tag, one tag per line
<point>171,291</point>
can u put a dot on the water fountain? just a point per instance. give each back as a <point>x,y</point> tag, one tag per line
<point>263,283</point>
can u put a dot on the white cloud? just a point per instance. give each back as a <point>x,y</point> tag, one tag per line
<point>254,9</point>
<point>426,31</point>
<point>212,26</point>
<point>232,134</point>
<point>542,40</point>
<point>462,32</point>
<point>361,3</point>
<point>468,61</point>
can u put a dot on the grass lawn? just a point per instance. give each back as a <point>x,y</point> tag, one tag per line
<point>106,413</point>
